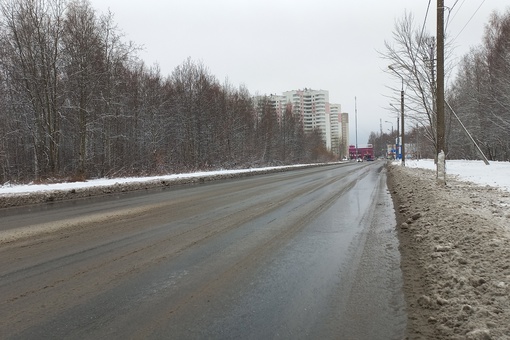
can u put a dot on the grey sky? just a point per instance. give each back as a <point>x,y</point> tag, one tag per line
<point>272,46</point>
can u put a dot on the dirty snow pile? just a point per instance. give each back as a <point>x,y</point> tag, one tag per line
<point>455,247</point>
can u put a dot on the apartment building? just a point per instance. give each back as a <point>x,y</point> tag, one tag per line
<point>311,105</point>
<point>336,133</point>
<point>278,102</point>
<point>315,112</point>
<point>344,133</point>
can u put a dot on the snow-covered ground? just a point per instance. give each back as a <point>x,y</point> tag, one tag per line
<point>454,244</point>
<point>496,174</point>
<point>103,182</point>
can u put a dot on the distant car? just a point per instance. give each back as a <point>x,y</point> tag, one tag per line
<point>359,160</point>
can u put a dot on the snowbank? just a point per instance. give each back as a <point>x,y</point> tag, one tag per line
<point>497,174</point>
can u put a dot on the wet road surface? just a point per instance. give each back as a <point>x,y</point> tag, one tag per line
<point>295,255</point>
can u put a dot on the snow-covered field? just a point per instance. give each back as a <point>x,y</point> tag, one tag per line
<point>497,174</point>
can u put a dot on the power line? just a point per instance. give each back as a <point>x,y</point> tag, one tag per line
<point>450,11</point>
<point>454,5</point>
<point>469,20</point>
<point>424,22</point>
<point>458,10</point>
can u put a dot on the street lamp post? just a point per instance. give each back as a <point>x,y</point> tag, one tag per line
<point>391,132</point>
<point>398,150</point>
<point>401,115</point>
<point>391,126</point>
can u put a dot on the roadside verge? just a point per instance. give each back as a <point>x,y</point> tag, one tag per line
<point>454,244</point>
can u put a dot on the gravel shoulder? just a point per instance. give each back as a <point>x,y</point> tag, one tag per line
<point>455,246</point>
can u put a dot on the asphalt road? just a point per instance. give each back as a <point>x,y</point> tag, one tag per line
<point>295,255</point>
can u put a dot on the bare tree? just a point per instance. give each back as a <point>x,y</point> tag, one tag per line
<point>411,55</point>
<point>480,92</point>
<point>33,31</point>
<point>267,131</point>
<point>84,67</point>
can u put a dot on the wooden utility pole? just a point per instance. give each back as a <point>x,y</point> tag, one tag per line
<point>402,141</point>
<point>440,122</point>
<point>402,127</point>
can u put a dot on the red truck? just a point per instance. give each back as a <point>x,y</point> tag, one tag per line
<point>364,153</point>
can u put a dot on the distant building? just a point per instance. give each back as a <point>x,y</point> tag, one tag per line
<point>312,105</point>
<point>279,103</point>
<point>344,133</point>
<point>314,109</point>
<point>315,113</point>
<point>336,132</point>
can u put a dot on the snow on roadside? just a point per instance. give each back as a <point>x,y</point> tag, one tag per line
<point>8,189</point>
<point>497,174</point>
<point>454,244</point>
<point>493,175</point>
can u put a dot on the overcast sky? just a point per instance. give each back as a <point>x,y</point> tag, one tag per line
<point>272,46</point>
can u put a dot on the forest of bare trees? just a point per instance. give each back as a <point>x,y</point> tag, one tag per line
<point>479,93</point>
<point>77,103</point>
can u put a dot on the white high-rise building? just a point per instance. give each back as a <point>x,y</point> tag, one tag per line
<point>314,109</point>
<point>344,131</point>
<point>336,133</point>
<point>315,112</point>
<point>278,102</point>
